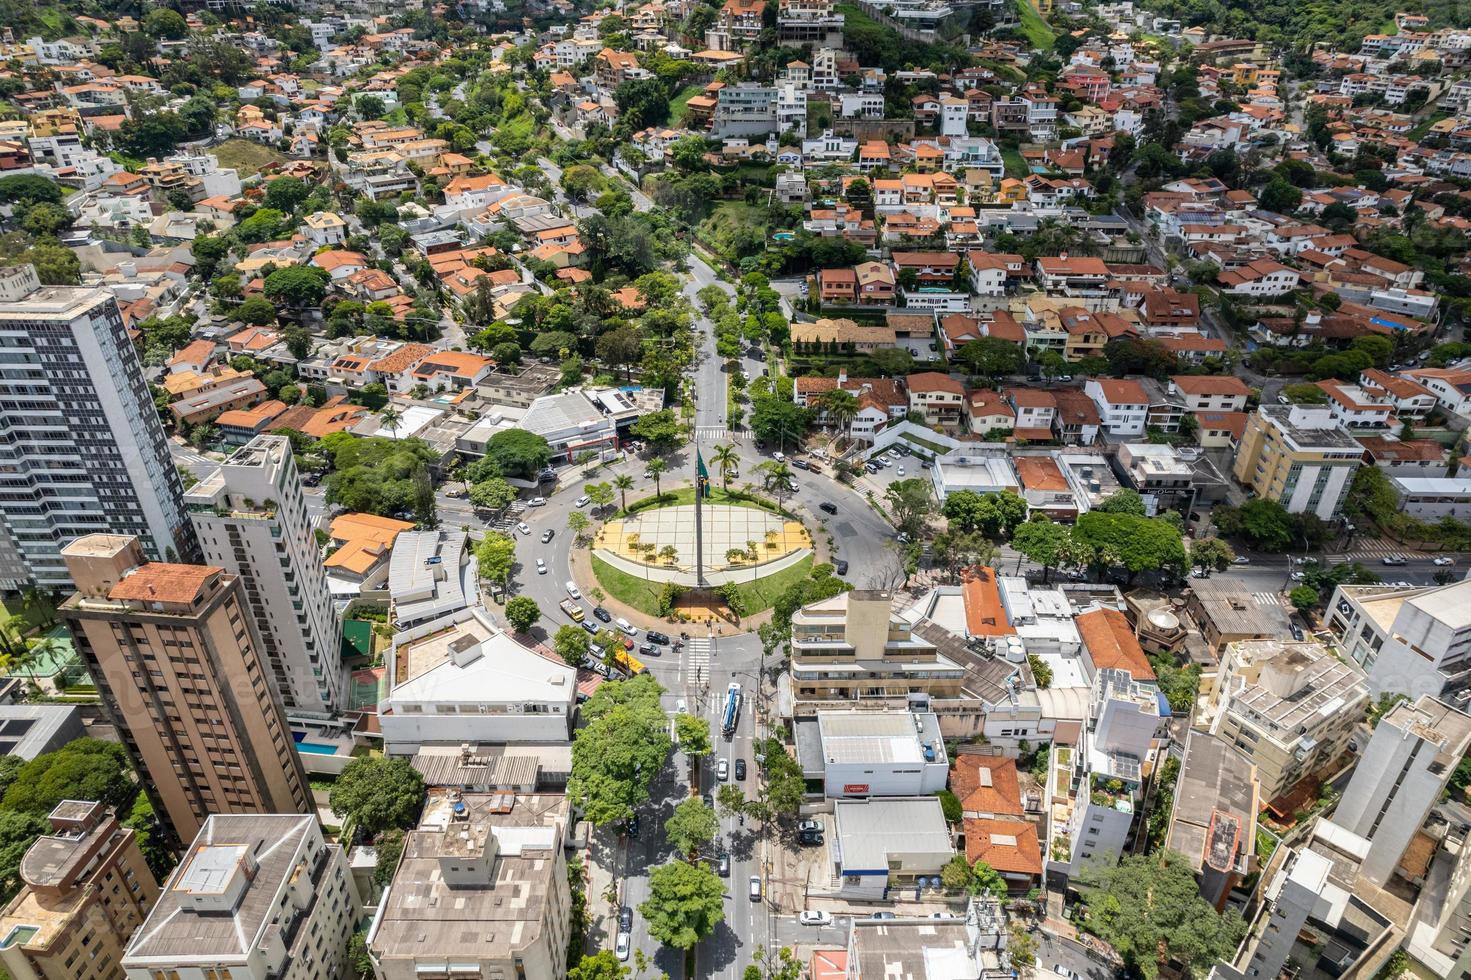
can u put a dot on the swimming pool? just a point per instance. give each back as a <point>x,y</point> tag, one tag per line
<point>316,748</point>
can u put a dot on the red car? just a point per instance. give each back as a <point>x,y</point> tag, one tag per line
<point>628,643</point>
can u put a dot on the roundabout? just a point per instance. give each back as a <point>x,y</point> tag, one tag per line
<point>733,544</point>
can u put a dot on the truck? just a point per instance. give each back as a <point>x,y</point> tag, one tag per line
<point>628,663</point>
<point>573,610</point>
<point>732,712</point>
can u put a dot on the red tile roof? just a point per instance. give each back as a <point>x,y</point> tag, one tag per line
<point>1111,643</point>
<point>986,784</point>
<point>984,613</point>
<point>1009,846</point>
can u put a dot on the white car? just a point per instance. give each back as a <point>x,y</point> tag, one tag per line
<point>1298,576</point>
<point>626,626</point>
<point>1443,561</point>
<point>1200,573</point>
<point>537,502</point>
<point>681,708</point>
<point>622,947</point>
<point>584,500</point>
<point>572,590</point>
<point>523,527</point>
<point>1241,560</point>
<point>814,918</point>
<point>779,457</point>
<point>1063,971</point>
<point>899,471</point>
<point>541,567</point>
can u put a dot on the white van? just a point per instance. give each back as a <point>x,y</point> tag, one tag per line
<point>572,590</point>
<point>626,626</point>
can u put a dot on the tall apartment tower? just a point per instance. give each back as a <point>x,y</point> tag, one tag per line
<point>177,661</point>
<point>257,897</point>
<point>250,517</point>
<point>86,890</point>
<point>82,450</point>
<point>1405,767</point>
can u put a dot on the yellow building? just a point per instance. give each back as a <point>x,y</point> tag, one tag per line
<point>1299,456</point>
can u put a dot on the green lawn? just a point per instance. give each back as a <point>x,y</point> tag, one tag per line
<point>1034,27</point>
<point>1015,165</point>
<point>680,100</point>
<point>686,495</point>
<point>733,228</point>
<point>1418,133</point>
<point>247,156</point>
<point>643,595</point>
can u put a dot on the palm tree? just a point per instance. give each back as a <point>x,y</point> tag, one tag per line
<point>753,553</point>
<point>391,418</point>
<point>669,554</point>
<point>777,478</point>
<point>728,461</point>
<point>657,466</point>
<point>841,406</point>
<point>771,537</point>
<point>735,555</point>
<point>38,607</point>
<point>623,483</point>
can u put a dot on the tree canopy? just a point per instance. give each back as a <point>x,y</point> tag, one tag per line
<point>83,769</point>
<point>377,475</point>
<point>616,755</point>
<point>686,902</point>
<point>378,793</point>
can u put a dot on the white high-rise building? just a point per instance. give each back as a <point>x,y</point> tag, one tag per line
<point>250,516</point>
<point>83,451</point>
<point>1400,776</point>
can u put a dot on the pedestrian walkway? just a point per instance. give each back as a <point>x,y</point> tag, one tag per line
<point>697,661</point>
<point>1267,598</point>
<point>718,433</point>
<point>1374,548</point>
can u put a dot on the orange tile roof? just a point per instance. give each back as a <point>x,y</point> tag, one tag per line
<point>250,418</point>
<point>161,581</point>
<point>347,527</point>
<point>402,359</point>
<point>1040,473</point>
<point>986,784</point>
<point>1009,846</point>
<point>1120,391</point>
<point>357,556</point>
<point>196,352</point>
<point>1111,643</point>
<point>984,613</point>
<point>1210,384</point>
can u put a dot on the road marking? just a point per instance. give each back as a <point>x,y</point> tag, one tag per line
<point>717,433</point>
<point>698,659</point>
<point>1267,598</point>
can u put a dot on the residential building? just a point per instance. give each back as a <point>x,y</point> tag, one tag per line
<point>460,679</point>
<point>1299,456</point>
<point>481,890</point>
<point>853,647</point>
<point>258,896</point>
<point>1411,641</point>
<point>973,947</point>
<point>176,658</point>
<point>1290,707</point>
<point>250,516</point>
<point>1451,386</point>
<point>1123,405</point>
<point>85,889</point>
<point>87,452</point>
<point>1211,393</point>
<point>884,845</point>
<point>940,397</point>
<point>1438,934</point>
<point>873,753</point>
<point>995,822</point>
<point>1399,776</point>
<point>29,730</point>
<point>1356,407</point>
<point>1213,815</point>
<point>428,576</point>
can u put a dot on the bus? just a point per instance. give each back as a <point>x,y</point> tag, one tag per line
<point>732,712</point>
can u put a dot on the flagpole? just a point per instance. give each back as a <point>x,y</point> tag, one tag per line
<point>701,479</point>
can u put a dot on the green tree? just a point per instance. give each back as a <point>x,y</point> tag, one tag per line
<point>686,902</point>
<point>389,847</point>
<point>83,769</point>
<point>661,430</point>
<point>299,285</point>
<point>1211,553</point>
<point>1303,598</point>
<point>992,357</point>
<point>602,965</point>
<point>657,467</point>
<point>1265,523</point>
<point>152,839</point>
<point>495,556</point>
<point>516,452</point>
<point>1280,196</point>
<point>1123,501</point>
<point>1148,907</point>
<point>691,826</point>
<point>378,793</point>
<point>1136,543</point>
<point>286,194</point>
<point>785,787</point>
<point>779,420</point>
<point>730,799</point>
<point>955,876</point>
<point>619,750</point>
<point>571,644</point>
<point>912,503</point>
<point>166,24</point>
<point>493,494</point>
<point>693,735</point>
<point>1041,672</point>
<point>987,880</point>
<point>522,613</point>
<point>18,831</point>
<point>1043,542</point>
<point>256,310</point>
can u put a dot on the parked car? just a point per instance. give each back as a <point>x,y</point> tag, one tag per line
<point>681,707</point>
<point>600,613</point>
<point>648,650</point>
<point>755,889</point>
<point>537,502</point>
<point>625,626</point>
<point>740,769</point>
<point>810,839</point>
<point>590,626</point>
<point>622,947</point>
<point>722,770</point>
<point>800,464</point>
<point>812,917</point>
<point>925,464</point>
<point>625,919</point>
<point>654,636</point>
<point>828,506</point>
<point>779,457</point>
<point>810,824</point>
<point>723,868</point>
<point>883,915</point>
<point>583,500</point>
<point>548,534</point>
<point>841,566</point>
<point>943,915</point>
<point>628,643</point>
<point>571,588</point>
<point>632,826</point>
<point>1297,633</point>
<point>1063,971</point>
<point>541,567</point>
<point>900,470</point>
<point>523,527</point>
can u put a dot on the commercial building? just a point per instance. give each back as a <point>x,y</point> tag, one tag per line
<point>883,845</point>
<point>1400,775</point>
<point>86,889</point>
<point>1410,641</point>
<point>973,947</point>
<point>481,891</point>
<point>460,679</point>
<point>86,452</point>
<point>1213,815</point>
<point>1299,456</point>
<point>1289,707</point>
<point>429,575</point>
<point>29,730</point>
<point>176,658</point>
<point>250,516</point>
<point>257,897</point>
<point>873,753</point>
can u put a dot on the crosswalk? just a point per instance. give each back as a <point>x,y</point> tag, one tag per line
<point>1267,598</point>
<point>717,433</point>
<point>697,660</point>
<point>1372,548</point>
